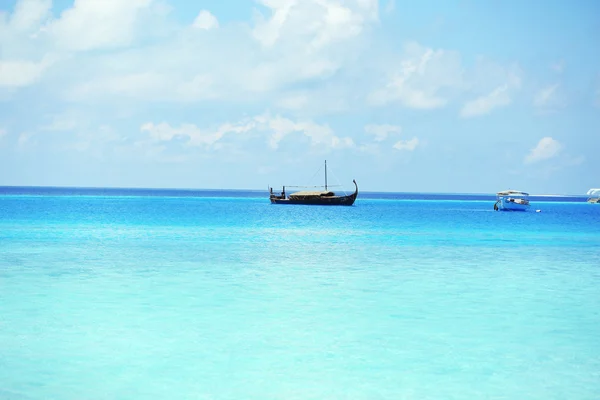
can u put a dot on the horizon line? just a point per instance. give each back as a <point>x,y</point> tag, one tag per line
<point>263,190</point>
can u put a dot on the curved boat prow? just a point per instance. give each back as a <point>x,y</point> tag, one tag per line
<point>355,195</point>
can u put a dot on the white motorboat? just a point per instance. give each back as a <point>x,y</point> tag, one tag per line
<point>512,200</point>
<point>594,196</point>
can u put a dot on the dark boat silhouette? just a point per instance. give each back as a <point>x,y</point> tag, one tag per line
<point>317,198</point>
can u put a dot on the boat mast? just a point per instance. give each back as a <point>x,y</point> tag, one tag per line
<point>325,175</point>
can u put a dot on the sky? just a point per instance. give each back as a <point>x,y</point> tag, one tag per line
<point>463,96</point>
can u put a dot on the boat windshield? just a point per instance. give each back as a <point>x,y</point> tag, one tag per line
<point>594,193</point>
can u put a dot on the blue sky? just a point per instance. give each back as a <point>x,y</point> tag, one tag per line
<point>440,96</point>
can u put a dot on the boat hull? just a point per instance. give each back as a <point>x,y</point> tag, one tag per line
<point>323,201</point>
<point>506,205</point>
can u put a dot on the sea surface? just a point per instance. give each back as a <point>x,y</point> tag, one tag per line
<point>173,294</point>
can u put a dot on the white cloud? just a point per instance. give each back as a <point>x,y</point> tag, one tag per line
<point>562,162</point>
<point>195,136</point>
<point>390,7</point>
<point>370,8</point>
<point>205,20</point>
<point>548,98</point>
<point>496,85</point>
<point>275,129</point>
<point>545,149</point>
<point>94,24</point>
<point>317,42</point>
<point>30,34</point>
<point>381,132</point>
<point>149,86</point>
<point>320,43</point>
<point>271,75</point>
<point>320,135</point>
<point>409,145</point>
<point>421,77</point>
<point>499,97</point>
<point>311,102</point>
<point>22,73</point>
<point>23,60</point>
<point>544,96</point>
<point>294,101</point>
<point>29,14</point>
<point>312,40</point>
<point>312,24</point>
<point>487,75</point>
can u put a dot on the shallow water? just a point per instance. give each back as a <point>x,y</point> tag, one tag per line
<point>143,297</point>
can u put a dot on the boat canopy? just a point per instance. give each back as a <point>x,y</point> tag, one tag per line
<point>305,194</point>
<point>593,192</point>
<point>512,193</point>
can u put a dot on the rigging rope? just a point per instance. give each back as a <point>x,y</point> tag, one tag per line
<point>338,181</point>
<point>320,186</point>
<point>313,177</point>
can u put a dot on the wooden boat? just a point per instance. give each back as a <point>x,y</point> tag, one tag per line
<point>320,198</point>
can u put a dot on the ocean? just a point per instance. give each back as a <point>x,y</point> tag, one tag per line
<point>186,294</point>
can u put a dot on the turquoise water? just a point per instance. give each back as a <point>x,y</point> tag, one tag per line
<point>208,297</point>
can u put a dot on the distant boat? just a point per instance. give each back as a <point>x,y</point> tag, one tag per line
<point>320,198</point>
<point>512,200</point>
<point>594,196</point>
